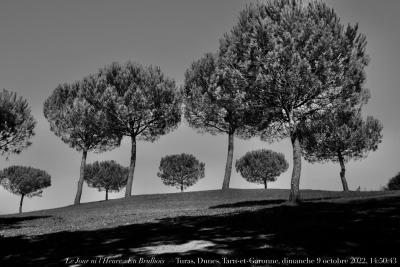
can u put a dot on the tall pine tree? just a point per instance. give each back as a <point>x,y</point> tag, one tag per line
<point>214,103</point>
<point>298,61</point>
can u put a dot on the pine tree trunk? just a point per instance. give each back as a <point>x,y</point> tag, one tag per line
<point>129,183</point>
<point>229,159</point>
<point>20,203</point>
<point>265,184</point>
<point>294,196</point>
<point>106,194</point>
<point>343,173</point>
<point>81,179</point>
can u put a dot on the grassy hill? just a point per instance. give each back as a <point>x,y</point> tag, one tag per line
<point>210,225</point>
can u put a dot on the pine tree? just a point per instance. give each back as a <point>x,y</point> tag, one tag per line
<point>214,103</point>
<point>341,135</point>
<point>24,181</point>
<point>181,171</point>
<point>299,62</point>
<point>106,175</point>
<point>261,166</point>
<point>394,183</point>
<point>140,102</point>
<point>78,123</point>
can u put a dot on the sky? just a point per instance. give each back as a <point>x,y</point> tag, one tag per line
<point>48,42</point>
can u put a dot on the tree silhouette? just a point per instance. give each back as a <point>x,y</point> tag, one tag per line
<point>16,123</point>
<point>181,171</point>
<point>78,123</point>
<point>140,102</point>
<point>299,61</point>
<point>24,181</point>
<point>106,175</point>
<point>261,166</point>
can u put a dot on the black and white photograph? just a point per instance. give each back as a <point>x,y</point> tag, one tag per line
<point>199,133</point>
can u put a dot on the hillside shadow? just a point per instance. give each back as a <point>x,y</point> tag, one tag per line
<point>15,222</point>
<point>313,229</point>
<point>250,203</point>
<point>266,202</point>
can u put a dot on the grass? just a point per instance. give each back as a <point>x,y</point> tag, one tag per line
<point>212,224</point>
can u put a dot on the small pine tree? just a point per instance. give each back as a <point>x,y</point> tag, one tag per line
<point>24,181</point>
<point>106,175</point>
<point>181,171</point>
<point>394,183</point>
<point>261,166</point>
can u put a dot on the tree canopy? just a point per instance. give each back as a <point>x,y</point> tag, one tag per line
<point>140,102</point>
<point>16,123</point>
<point>106,175</point>
<point>79,123</point>
<point>261,166</point>
<point>181,171</point>
<point>343,133</point>
<point>213,100</point>
<point>24,181</point>
<point>76,121</point>
<point>299,62</point>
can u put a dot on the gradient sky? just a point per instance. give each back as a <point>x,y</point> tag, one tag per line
<point>44,43</point>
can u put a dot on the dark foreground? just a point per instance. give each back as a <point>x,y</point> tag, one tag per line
<point>265,232</point>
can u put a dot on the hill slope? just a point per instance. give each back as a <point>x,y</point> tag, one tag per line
<point>146,208</point>
<point>208,224</point>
